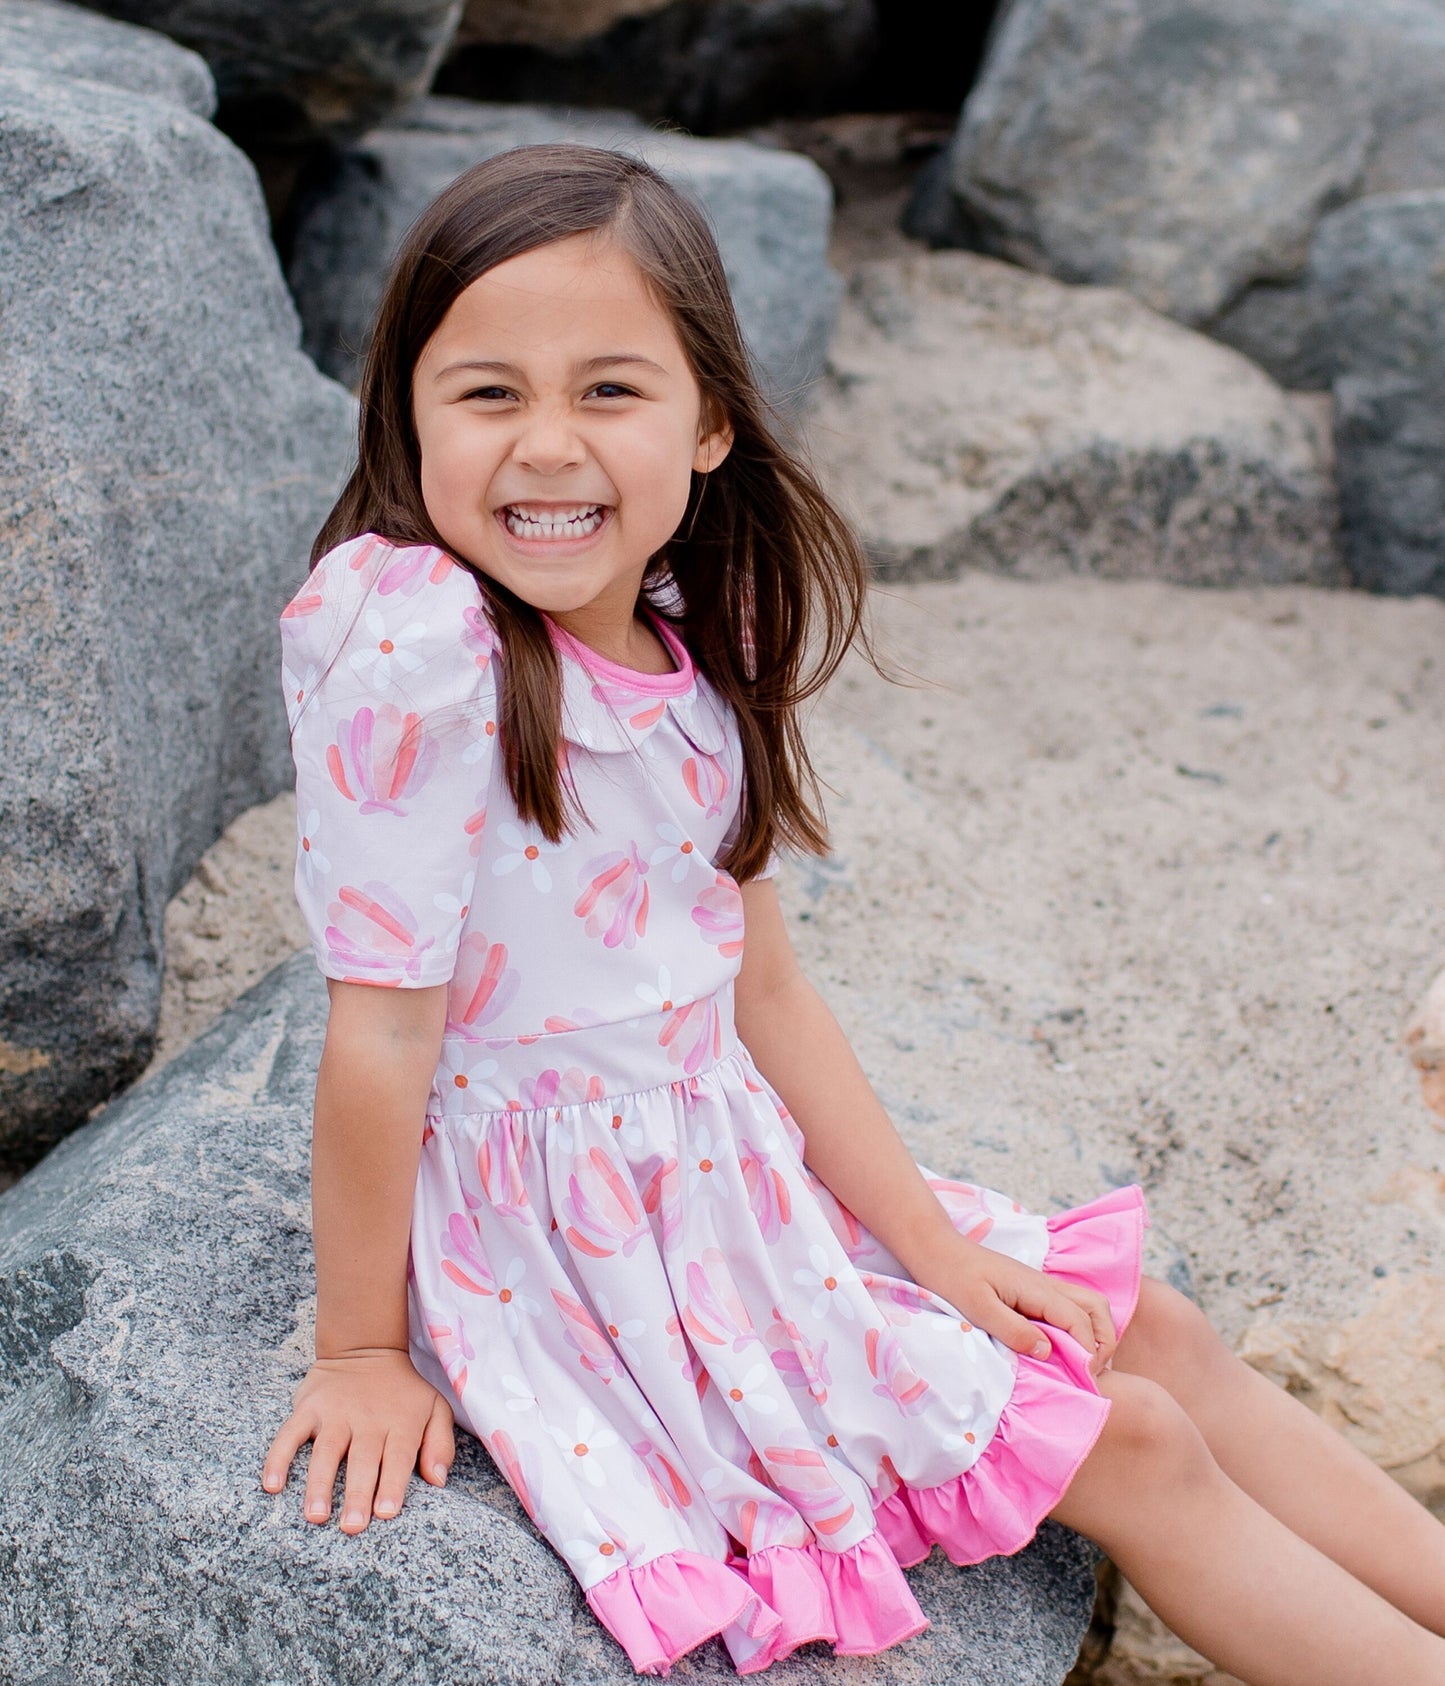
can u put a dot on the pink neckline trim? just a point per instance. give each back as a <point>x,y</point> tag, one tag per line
<point>654,684</point>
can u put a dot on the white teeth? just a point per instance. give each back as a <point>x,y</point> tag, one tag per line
<point>574,523</point>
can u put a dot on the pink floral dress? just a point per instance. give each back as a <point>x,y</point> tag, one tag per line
<point>718,1396</point>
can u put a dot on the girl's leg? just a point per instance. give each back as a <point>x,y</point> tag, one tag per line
<point>1230,1579</point>
<point>1288,1460</point>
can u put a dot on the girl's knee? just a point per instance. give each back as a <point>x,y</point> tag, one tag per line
<point>1148,1431</point>
<point>1169,1339</point>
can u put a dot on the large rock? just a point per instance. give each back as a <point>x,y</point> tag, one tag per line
<point>706,64</point>
<point>56,39</point>
<point>771,211</point>
<point>166,453</point>
<point>293,70</point>
<point>974,414</point>
<point>155,1275</point>
<point>1179,148</point>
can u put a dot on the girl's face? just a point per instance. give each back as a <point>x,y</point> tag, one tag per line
<point>559,423</point>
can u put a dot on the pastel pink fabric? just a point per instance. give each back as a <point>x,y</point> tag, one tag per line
<point>716,1394</point>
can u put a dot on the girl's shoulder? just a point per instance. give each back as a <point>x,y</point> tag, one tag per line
<point>400,623</point>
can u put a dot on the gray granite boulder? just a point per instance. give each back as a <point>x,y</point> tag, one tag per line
<point>56,39</point>
<point>976,415</point>
<point>771,211</point>
<point>292,70</point>
<point>1178,148</point>
<point>707,64</point>
<point>166,454</point>
<point>155,1280</point>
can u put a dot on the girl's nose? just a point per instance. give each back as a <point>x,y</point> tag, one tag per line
<point>548,442</point>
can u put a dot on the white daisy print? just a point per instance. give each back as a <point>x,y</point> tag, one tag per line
<point>527,851</point>
<point>457,907</point>
<point>749,1396</point>
<point>512,1300</point>
<point>705,1157</point>
<point>388,651</point>
<point>587,1436</point>
<point>315,863</point>
<point>459,1072</point>
<point>623,1330</point>
<point>661,998</point>
<point>827,1297</point>
<point>519,1396</point>
<point>676,848</point>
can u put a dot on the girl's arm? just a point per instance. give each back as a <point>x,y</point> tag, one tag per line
<point>362,1400</point>
<point>853,1148</point>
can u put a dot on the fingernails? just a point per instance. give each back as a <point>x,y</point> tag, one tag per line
<point>1041,1349</point>
<point>384,1507</point>
<point>438,1472</point>
<point>316,1510</point>
<point>352,1519</point>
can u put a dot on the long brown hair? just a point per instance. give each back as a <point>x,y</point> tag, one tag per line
<point>764,580</point>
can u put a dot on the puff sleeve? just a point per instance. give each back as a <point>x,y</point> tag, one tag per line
<point>387,660</point>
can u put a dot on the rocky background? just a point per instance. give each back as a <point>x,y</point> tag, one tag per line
<point>1134,880</point>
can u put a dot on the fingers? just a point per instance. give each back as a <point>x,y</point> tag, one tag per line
<point>396,1466</point>
<point>438,1444</point>
<point>290,1438</point>
<point>1015,1331</point>
<point>326,1456</point>
<point>363,1461</point>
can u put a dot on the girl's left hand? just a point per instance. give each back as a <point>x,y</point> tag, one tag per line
<point>1000,1295</point>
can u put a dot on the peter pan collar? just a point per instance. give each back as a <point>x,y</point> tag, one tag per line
<point>606,707</point>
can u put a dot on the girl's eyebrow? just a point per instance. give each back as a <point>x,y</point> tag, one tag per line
<point>610,360</point>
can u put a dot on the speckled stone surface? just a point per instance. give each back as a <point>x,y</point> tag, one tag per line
<point>771,211</point>
<point>62,40</point>
<point>166,454</point>
<point>155,1301</point>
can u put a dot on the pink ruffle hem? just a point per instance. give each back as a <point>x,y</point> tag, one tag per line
<point>765,1605</point>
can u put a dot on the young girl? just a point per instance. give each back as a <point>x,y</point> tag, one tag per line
<point>595,1171</point>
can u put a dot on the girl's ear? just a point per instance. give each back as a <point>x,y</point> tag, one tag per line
<point>714,444</point>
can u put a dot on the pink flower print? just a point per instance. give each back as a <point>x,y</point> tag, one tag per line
<point>411,568</point>
<point>381,759</point>
<point>603,1212</point>
<point>690,1032</point>
<point>373,930</point>
<point>312,860</point>
<point>584,1337</point>
<point>453,1349</point>
<point>512,1300</point>
<point>896,1379</point>
<point>667,1484</point>
<point>705,1156</point>
<point>467,1266</point>
<point>501,1170</point>
<point>386,654</point>
<point>715,1313</point>
<point>707,783</point>
<point>556,1088</point>
<point>527,850</point>
<point>614,902</point>
<point>623,1330</point>
<point>767,1191</point>
<point>749,1396</point>
<point>504,1452</point>
<point>802,1476</point>
<point>478,634</point>
<point>662,1195</point>
<point>460,1071</point>
<point>680,1351</point>
<point>584,1436</point>
<point>820,1278</point>
<point>799,1364</point>
<point>719,915</point>
<point>965,1206</point>
<point>483,986</point>
<point>676,847</point>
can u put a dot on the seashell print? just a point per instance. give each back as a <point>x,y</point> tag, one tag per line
<point>500,1168</point>
<point>614,900</point>
<point>802,1475</point>
<point>707,783</point>
<point>467,1266</point>
<point>381,759</point>
<point>715,1314</point>
<point>965,1206</point>
<point>453,1349</point>
<point>603,1211</point>
<point>410,569</point>
<point>767,1190</point>
<point>719,915</point>
<point>691,1033</point>
<point>509,1460</point>
<point>483,986</point>
<point>592,1347</point>
<point>897,1381</point>
<point>668,1485</point>
<point>373,930</point>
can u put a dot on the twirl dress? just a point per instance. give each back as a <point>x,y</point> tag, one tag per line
<point>718,1396</point>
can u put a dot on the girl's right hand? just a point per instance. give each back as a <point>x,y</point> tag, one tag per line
<point>371,1408</point>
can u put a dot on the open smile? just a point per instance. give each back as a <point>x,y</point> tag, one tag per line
<point>553,523</point>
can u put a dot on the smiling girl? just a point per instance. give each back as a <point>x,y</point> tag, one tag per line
<point>595,1171</point>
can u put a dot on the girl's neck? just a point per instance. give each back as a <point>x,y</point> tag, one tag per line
<point>642,649</point>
